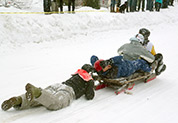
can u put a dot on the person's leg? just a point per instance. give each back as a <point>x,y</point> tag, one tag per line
<point>73,5</point>
<point>19,103</point>
<point>69,4</point>
<point>156,6</point>
<point>148,5</point>
<point>14,101</point>
<point>56,97</point>
<point>140,64</point>
<point>143,5</point>
<point>139,3</point>
<point>161,66</point>
<point>159,6</point>
<point>61,5</point>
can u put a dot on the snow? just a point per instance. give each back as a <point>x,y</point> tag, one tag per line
<point>46,49</point>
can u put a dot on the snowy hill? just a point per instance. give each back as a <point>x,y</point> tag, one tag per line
<point>46,49</point>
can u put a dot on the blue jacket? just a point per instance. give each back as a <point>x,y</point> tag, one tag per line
<point>159,1</point>
<point>127,67</point>
<point>123,68</point>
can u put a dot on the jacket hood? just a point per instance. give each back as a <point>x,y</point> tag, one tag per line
<point>135,41</point>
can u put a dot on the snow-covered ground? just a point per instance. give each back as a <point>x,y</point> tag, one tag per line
<point>46,49</point>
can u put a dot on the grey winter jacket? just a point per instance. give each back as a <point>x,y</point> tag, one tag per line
<point>134,50</point>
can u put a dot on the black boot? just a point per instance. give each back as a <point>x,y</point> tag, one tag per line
<point>160,69</point>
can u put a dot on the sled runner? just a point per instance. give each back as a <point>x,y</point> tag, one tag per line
<point>125,83</point>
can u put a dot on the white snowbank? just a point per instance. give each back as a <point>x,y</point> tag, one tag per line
<point>18,29</point>
<point>45,49</point>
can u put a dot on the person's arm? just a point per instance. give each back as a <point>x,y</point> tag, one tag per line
<point>146,55</point>
<point>89,94</point>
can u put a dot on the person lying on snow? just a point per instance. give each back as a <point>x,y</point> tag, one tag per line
<point>119,66</point>
<point>56,96</point>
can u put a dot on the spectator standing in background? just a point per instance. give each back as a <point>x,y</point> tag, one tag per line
<point>113,2</point>
<point>73,5</point>
<point>60,4</point>
<point>133,5</point>
<point>149,5</point>
<point>158,4</point>
<point>139,4</point>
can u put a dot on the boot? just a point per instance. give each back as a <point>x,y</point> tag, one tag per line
<point>160,69</point>
<point>32,92</point>
<point>14,101</point>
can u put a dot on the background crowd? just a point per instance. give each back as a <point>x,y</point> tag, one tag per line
<point>137,5</point>
<point>121,6</point>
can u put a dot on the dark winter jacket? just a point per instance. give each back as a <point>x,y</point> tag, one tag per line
<point>121,67</point>
<point>124,68</point>
<point>81,87</point>
<point>109,74</point>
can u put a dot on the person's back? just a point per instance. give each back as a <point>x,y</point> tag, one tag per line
<point>134,50</point>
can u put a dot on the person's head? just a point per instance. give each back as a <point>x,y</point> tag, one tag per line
<point>145,32</point>
<point>140,38</point>
<point>88,68</point>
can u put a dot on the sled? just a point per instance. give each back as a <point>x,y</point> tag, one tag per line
<point>124,84</point>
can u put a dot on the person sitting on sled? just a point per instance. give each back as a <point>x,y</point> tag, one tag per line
<point>118,66</point>
<point>161,67</point>
<point>55,96</point>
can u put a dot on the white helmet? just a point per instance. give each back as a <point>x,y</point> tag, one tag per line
<point>140,38</point>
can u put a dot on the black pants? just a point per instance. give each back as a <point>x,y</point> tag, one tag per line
<point>157,6</point>
<point>69,5</point>
<point>143,4</point>
<point>60,4</point>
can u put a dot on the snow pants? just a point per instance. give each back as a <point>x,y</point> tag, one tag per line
<point>54,97</point>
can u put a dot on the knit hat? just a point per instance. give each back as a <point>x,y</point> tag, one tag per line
<point>97,65</point>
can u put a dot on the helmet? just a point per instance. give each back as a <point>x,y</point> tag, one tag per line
<point>88,68</point>
<point>145,32</point>
<point>140,38</point>
<point>97,65</point>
